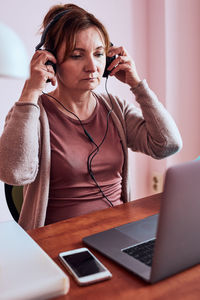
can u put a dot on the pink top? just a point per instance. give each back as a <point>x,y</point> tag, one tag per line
<point>25,145</point>
<point>72,190</point>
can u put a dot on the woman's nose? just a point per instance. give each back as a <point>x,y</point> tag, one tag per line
<point>90,65</point>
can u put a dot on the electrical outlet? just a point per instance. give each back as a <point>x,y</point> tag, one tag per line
<point>157,180</point>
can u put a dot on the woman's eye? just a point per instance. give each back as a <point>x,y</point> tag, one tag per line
<point>75,56</point>
<point>99,54</point>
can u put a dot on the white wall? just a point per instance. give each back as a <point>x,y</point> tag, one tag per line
<point>122,19</point>
<point>163,38</point>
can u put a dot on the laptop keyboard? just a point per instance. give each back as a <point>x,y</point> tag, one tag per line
<point>143,252</point>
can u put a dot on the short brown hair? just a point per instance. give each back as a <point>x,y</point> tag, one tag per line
<point>66,28</point>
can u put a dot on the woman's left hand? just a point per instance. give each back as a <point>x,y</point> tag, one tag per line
<point>123,67</point>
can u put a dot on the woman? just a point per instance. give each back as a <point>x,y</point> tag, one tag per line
<point>69,147</point>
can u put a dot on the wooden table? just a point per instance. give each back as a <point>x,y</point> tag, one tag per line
<point>67,235</point>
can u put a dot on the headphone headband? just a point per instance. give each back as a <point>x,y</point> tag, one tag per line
<point>51,23</point>
<point>43,37</point>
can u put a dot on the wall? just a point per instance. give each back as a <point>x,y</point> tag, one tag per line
<point>163,38</point>
<point>173,72</point>
<point>119,16</point>
<point>183,72</point>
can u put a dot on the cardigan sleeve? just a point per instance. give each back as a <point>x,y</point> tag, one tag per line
<point>19,144</point>
<point>150,129</point>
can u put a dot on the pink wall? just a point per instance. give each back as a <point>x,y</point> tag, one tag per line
<point>183,72</point>
<point>163,38</point>
<point>25,17</point>
<point>173,72</point>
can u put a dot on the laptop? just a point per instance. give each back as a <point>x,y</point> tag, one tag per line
<point>171,239</point>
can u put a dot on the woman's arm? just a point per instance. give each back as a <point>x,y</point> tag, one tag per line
<point>19,144</point>
<point>152,130</point>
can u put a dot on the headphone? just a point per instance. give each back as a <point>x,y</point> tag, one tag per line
<point>105,74</point>
<point>43,37</point>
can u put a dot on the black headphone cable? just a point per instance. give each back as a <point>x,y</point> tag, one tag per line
<point>96,150</point>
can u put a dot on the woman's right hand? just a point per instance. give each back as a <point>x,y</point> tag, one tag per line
<point>39,74</point>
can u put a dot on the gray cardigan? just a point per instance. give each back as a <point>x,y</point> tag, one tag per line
<point>25,154</point>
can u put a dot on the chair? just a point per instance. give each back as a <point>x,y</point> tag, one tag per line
<point>14,198</point>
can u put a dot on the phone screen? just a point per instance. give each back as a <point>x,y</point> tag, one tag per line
<point>83,263</point>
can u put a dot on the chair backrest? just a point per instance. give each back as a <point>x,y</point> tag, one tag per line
<point>14,198</point>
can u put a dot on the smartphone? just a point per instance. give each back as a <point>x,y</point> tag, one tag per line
<point>84,266</point>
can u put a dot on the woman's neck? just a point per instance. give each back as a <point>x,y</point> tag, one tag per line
<point>80,104</point>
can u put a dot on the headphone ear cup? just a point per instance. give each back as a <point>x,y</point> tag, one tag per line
<point>109,60</point>
<point>51,64</point>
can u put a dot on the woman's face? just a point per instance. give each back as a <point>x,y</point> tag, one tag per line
<point>84,67</point>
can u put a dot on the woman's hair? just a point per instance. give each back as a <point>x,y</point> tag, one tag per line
<point>66,27</point>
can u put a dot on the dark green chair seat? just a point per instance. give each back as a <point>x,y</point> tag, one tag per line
<point>14,198</point>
